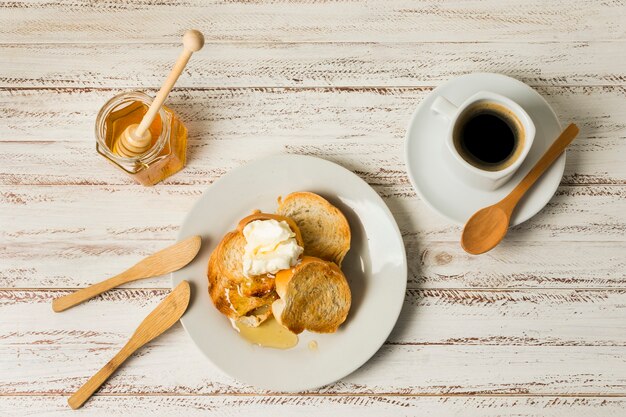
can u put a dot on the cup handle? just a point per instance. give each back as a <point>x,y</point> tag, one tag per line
<point>443,107</point>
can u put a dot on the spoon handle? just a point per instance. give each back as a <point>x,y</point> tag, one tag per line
<point>565,138</point>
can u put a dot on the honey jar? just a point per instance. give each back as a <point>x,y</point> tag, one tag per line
<point>167,152</point>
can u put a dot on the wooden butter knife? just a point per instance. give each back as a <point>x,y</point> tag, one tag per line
<point>164,261</point>
<point>164,316</point>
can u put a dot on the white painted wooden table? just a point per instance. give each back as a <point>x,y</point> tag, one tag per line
<point>535,327</point>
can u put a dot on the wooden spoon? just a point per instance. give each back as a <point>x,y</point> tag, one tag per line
<point>164,261</point>
<point>486,228</point>
<point>168,312</point>
<point>137,139</point>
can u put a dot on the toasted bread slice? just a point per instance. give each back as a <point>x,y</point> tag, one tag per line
<point>325,230</point>
<point>314,295</point>
<point>235,295</point>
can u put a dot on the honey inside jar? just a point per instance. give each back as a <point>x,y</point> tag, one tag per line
<point>167,152</point>
<point>119,120</point>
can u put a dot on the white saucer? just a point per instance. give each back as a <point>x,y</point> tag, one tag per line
<point>445,193</point>
<point>375,267</point>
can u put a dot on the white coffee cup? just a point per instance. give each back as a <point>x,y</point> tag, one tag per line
<point>466,172</point>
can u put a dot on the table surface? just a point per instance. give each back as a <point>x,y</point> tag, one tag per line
<point>535,327</point>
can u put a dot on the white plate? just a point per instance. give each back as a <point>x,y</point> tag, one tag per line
<point>375,267</point>
<point>444,192</point>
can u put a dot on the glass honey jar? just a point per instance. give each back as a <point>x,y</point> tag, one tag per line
<point>167,152</point>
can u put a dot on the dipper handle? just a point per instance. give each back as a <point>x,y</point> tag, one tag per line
<point>193,41</point>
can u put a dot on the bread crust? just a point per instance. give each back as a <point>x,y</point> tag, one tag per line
<point>314,296</point>
<point>234,294</point>
<point>325,230</point>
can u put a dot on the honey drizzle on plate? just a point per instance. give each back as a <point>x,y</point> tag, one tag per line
<point>268,334</point>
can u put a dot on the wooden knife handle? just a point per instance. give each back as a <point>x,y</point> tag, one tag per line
<point>86,391</point>
<point>84,294</point>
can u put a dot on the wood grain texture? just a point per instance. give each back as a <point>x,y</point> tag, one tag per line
<point>179,369</point>
<point>363,129</point>
<point>531,317</point>
<point>114,213</point>
<point>269,64</point>
<point>534,327</point>
<point>322,405</point>
<point>163,262</point>
<point>304,21</point>
<point>64,263</point>
<point>165,315</point>
<point>171,365</point>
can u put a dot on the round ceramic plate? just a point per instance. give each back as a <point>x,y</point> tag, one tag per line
<point>438,187</point>
<point>375,267</point>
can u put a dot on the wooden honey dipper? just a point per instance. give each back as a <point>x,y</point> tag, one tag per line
<point>136,138</point>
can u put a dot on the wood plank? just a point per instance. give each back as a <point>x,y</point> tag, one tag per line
<point>378,160</point>
<point>37,358</point>
<point>569,216</point>
<point>512,318</point>
<point>537,317</point>
<point>545,264</point>
<point>310,64</point>
<point>320,405</point>
<point>408,370</point>
<point>116,213</point>
<point>363,129</point>
<point>511,332</point>
<point>64,263</point>
<point>429,317</point>
<point>295,20</point>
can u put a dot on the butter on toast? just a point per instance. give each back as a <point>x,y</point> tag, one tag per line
<point>234,294</point>
<point>325,230</point>
<point>314,295</point>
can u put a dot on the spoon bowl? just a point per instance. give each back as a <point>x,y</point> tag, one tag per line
<point>485,229</point>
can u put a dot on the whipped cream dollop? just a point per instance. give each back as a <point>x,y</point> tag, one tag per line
<point>271,245</point>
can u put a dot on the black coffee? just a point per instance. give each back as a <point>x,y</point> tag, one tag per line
<point>489,136</point>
